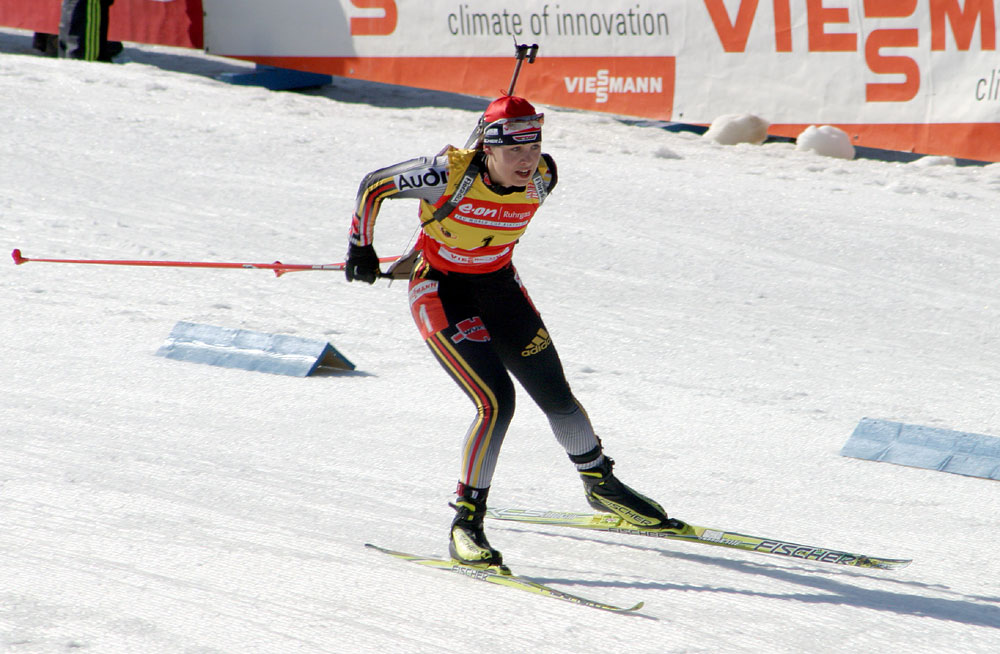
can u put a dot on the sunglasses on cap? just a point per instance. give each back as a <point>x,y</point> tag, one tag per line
<point>512,131</point>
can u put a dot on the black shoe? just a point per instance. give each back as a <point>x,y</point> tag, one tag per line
<point>468,543</point>
<point>47,44</point>
<point>605,493</point>
<point>110,50</point>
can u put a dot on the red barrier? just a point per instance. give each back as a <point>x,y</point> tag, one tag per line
<point>177,23</point>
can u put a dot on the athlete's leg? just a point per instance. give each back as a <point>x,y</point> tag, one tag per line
<point>457,337</point>
<point>459,340</point>
<point>525,347</point>
<point>80,29</point>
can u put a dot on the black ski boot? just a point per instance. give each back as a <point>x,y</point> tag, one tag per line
<point>607,494</point>
<point>468,543</point>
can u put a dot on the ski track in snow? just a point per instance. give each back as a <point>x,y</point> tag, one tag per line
<point>726,315</point>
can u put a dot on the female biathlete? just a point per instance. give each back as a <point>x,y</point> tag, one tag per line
<point>475,314</point>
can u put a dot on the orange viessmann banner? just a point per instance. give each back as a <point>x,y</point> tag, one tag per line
<point>912,75</point>
<point>636,86</point>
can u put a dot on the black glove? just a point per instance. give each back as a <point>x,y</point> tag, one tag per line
<point>362,264</point>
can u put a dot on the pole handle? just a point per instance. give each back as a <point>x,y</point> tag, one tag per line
<point>521,52</point>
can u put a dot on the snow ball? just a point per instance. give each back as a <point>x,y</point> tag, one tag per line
<point>828,141</point>
<point>738,128</point>
<point>924,162</point>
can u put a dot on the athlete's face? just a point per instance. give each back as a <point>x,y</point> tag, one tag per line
<point>512,165</point>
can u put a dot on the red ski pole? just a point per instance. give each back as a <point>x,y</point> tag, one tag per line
<point>278,267</point>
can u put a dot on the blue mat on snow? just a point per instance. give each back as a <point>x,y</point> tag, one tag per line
<point>279,354</point>
<point>277,79</point>
<point>974,455</point>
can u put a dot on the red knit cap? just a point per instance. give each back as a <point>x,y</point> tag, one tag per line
<point>508,106</point>
<point>511,120</point>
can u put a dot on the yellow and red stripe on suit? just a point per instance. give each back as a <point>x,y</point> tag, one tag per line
<point>478,237</point>
<point>483,438</point>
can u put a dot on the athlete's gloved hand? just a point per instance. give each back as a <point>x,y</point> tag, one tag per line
<point>362,264</point>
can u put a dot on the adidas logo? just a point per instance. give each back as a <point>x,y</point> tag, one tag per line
<point>538,343</point>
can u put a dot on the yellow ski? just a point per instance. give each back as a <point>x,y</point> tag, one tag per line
<point>502,576</point>
<point>695,534</point>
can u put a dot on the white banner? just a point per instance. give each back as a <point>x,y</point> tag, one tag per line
<point>900,64</point>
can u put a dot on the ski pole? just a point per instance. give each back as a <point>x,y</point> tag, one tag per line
<point>521,52</point>
<point>278,267</point>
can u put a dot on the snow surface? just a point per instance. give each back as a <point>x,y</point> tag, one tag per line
<point>726,314</point>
